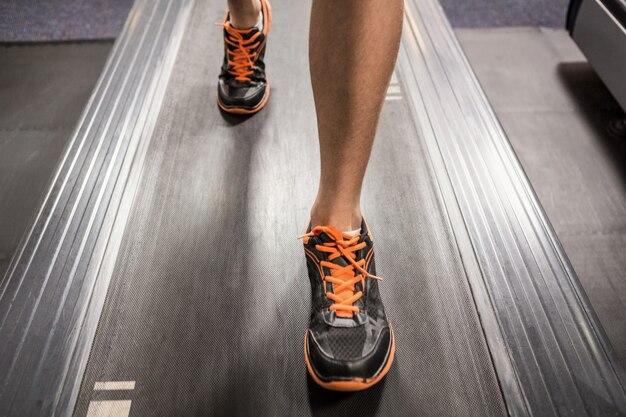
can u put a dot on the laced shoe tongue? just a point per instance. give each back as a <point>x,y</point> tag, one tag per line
<point>325,238</point>
<point>243,49</point>
<point>347,273</point>
<point>245,33</point>
<point>332,236</point>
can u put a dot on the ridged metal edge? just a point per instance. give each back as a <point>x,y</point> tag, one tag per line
<point>549,350</point>
<point>52,294</point>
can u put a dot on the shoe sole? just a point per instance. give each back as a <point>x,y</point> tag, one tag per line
<point>241,110</point>
<point>356,384</point>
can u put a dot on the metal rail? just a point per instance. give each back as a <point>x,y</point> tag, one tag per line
<point>52,294</point>
<point>549,350</point>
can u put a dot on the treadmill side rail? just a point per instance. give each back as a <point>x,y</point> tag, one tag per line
<point>549,350</point>
<point>52,295</point>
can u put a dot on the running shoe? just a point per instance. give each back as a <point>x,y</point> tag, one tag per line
<point>243,87</point>
<point>349,345</point>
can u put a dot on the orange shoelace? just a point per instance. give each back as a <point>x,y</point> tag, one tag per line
<point>242,58</point>
<point>343,278</point>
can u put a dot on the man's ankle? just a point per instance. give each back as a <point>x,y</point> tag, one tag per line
<point>247,16</point>
<point>344,220</point>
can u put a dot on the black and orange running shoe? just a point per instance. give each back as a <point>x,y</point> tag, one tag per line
<point>349,345</point>
<point>243,87</point>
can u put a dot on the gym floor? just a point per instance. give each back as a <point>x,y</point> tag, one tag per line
<point>561,120</point>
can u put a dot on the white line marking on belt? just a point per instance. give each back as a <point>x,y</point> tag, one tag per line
<point>109,408</point>
<point>114,385</point>
<point>394,89</point>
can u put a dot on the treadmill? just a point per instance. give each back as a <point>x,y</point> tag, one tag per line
<point>599,29</point>
<point>137,292</point>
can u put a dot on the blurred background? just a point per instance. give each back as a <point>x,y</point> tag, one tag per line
<point>63,20</point>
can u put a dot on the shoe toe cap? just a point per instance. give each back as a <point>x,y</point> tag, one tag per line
<point>235,95</point>
<point>330,367</point>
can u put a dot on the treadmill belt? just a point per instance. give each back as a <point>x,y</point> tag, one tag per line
<point>209,301</point>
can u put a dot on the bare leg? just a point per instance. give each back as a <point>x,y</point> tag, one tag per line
<point>353,46</point>
<point>244,13</point>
